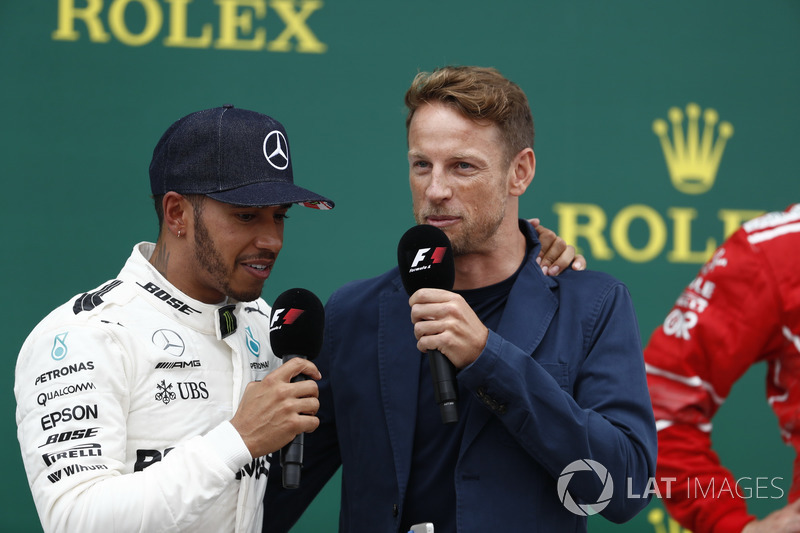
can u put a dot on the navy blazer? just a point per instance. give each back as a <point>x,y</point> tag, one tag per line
<point>561,380</point>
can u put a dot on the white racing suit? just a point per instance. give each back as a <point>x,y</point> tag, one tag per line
<point>124,397</point>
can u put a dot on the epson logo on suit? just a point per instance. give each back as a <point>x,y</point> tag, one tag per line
<point>78,412</point>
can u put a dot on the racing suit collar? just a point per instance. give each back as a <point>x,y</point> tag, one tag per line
<point>212,319</point>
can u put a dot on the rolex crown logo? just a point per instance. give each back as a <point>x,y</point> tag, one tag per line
<point>692,159</point>
<point>656,519</point>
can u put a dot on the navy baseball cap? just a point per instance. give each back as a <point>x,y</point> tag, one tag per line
<point>232,155</point>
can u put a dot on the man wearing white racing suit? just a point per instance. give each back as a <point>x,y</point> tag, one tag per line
<point>150,403</point>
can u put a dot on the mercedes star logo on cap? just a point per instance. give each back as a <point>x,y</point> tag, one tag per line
<point>276,150</point>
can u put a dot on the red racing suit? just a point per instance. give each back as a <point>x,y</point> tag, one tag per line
<point>742,308</point>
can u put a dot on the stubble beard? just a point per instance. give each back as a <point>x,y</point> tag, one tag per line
<point>474,233</point>
<point>210,259</point>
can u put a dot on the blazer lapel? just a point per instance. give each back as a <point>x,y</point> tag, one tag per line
<point>529,309</point>
<point>399,368</point>
<point>527,314</point>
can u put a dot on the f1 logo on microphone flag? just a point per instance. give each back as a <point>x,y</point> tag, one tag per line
<point>284,317</point>
<point>422,261</point>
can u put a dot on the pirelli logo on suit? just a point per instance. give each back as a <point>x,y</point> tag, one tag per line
<point>81,450</point>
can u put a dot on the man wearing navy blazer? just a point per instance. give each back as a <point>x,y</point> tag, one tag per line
<point>554,417</point>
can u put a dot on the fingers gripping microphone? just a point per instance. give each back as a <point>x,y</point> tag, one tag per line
<point>296,326</point>
<point>425,258</point>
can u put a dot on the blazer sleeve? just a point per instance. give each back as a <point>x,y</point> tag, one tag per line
<point>582,395</point>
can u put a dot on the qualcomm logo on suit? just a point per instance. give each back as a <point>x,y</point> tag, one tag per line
<point>693,144</point>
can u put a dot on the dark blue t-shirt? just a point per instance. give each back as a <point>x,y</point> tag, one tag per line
<point>431,495</point>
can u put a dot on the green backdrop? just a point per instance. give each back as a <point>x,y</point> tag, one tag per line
<point>88,86</point>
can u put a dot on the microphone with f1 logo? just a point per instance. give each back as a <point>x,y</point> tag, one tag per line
<point>425,259</point>
<point>296,325</point>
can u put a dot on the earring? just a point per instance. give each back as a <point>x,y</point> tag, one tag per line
<point>179,233</point>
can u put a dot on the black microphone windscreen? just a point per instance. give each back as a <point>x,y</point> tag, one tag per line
<point>296,324</point>
<point>425,258</point>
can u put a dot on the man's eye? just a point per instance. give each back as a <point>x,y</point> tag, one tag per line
<point>281,216</point>
<point>464,166</point>
<point>246,217</point>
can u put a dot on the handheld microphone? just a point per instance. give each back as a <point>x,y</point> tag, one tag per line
<point>425,258</point>
<point>296,324</point>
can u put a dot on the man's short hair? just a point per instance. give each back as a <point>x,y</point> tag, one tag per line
<point>480,94</point>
